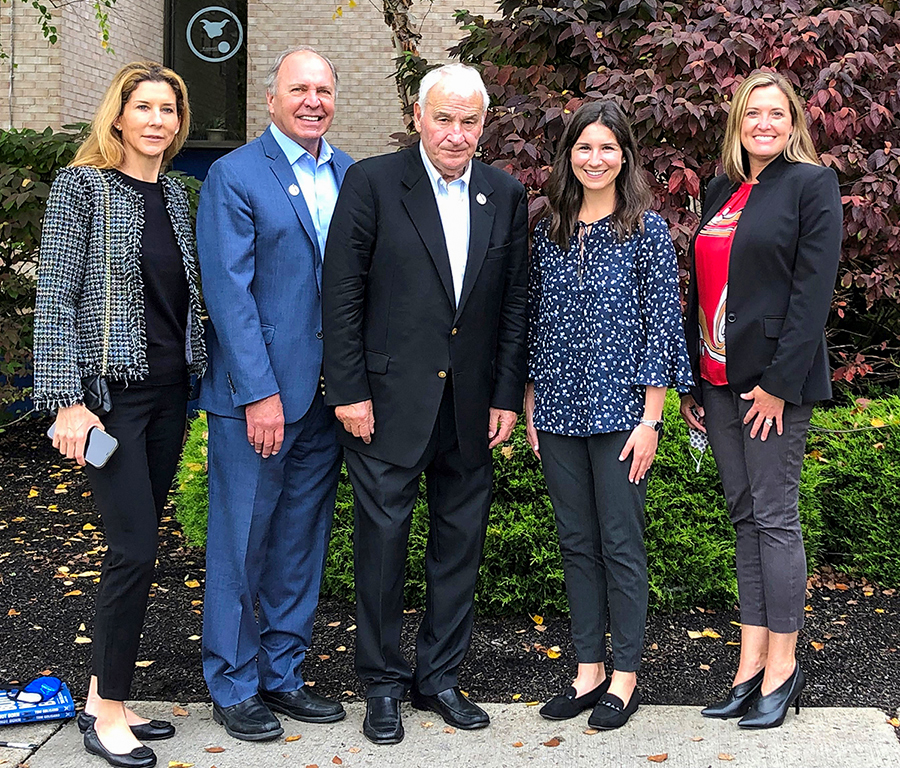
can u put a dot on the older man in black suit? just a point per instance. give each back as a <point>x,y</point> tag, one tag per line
<point>424,295</point>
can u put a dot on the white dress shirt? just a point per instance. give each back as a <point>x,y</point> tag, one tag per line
<point>453,205</point>
<point>316,179</point>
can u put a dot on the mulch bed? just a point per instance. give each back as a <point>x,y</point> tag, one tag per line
<point>50,553</point>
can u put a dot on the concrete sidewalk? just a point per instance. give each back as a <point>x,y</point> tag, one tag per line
<point>818,738</point>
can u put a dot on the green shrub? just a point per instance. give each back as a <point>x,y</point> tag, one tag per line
<point>848,505</point>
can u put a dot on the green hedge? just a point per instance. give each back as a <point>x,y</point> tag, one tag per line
<point>848,506</point>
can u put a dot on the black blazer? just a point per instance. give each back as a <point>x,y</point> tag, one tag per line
<point>392,329</point>
<point>781,275</point>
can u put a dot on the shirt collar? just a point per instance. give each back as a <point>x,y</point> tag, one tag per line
<point>438,181</point>
<point>293,151</point>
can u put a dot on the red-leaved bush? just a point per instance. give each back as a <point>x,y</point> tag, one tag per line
<point>674,68</point>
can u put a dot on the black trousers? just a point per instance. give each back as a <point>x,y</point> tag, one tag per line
<point>459,499</point>
<point>130,493</point>
<point>600,519</point>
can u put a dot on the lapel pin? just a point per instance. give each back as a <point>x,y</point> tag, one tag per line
<point>481,198</point>
<point>294,190</point>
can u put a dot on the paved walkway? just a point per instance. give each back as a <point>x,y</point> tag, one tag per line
<point>818,738</point>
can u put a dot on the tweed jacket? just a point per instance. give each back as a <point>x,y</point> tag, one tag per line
<point>71,291</point>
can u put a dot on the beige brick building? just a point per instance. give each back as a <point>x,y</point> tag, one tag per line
<point>43,84</point>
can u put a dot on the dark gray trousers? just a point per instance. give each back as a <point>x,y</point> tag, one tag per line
<point>600,519</point>
<point>762,491</point>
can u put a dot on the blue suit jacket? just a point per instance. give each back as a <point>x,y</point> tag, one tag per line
<point>262,276</point>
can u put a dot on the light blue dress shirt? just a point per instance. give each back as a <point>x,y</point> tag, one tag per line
<point>316,179</point>
<point>453,205</point>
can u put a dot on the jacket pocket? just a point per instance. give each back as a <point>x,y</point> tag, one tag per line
<point>268,332</point>
<point>377,362</point>
<point>772,326</point>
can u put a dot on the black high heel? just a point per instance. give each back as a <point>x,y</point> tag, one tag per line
<point>738,700</point>
<point>769,711</point>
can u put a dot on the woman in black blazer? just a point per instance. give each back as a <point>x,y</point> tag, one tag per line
<point>764,263</point>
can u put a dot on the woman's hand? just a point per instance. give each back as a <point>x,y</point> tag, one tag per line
<point>642,443</point>
<point>72,426</point>
<point>692,413</point>
<point>530,432</point>
<point>765,411</point>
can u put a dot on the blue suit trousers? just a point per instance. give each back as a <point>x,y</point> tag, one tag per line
<point>269,525</point>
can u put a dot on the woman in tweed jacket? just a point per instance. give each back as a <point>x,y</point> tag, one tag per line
<point>118,295</point>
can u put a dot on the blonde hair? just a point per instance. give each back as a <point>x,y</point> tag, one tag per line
<point>103,147</point>
<point>799,147</point>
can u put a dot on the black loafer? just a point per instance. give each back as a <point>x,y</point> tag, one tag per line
<point>611,712</point>
<point>139,757</point>
<point>155,730</point>
<point>453,707</point>
<point>382,724</point>
<point>739,699</point>
<point>304,704</point>
<point>249,720</point>
<point>569,704</point>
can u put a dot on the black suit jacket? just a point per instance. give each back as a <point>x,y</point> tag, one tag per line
<point>781,275</point>
<point>392,329</point>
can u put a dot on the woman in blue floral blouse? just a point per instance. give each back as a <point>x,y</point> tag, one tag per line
<point>605,341</point>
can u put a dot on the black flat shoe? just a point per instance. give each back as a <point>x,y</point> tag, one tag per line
<point>382,724</point>
<point>249,720</point>
<point>769,711</point>
<point>569,704</point>
<point>155,730</point>
<point>139,757</point>
<point>738,700</point>
<point>453,707</point>
<point>611,712</point>
<point>305,705</point>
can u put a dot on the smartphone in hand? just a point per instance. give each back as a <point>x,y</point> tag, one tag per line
<point>97,449</point>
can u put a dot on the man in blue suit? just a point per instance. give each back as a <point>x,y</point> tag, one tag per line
<point>274,461</point>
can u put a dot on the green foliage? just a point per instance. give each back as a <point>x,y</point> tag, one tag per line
<point>859,491</point>
<point>848,505</point>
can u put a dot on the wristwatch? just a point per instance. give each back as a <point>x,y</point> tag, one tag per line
<point>656,424</point>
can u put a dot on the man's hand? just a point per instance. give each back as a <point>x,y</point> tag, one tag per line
<point>72,426</point>
<point>265,425</point>
<point>358,419</point>
<point>766,411</point>
<point>500,433</point>
<point>692,413</point>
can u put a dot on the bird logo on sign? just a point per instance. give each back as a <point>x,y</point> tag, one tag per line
<point>214,34</point>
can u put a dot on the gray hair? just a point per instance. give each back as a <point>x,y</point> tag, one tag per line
<point>272,74</point>
<point>467,80</point>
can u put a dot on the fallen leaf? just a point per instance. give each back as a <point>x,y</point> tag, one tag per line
<point>895,722</point>
<point>73,593</point>
<point>696,738</point>
<point>725,756</point>
<point>215,750</point>
<point>341,648</point>
<point>334,624</point>
<point>310,683</point>
<point>351,628</point>
<point>704,667</point>
<point>694,634</point>
<point>879,610</point>
<point>81,640</point>
<point>180,711</point>
<point>590,731</point>
<point>353,750</point>
<point>537,619</point>
<point>711,633</point>
<point>554,742</point>
<point>192,583</point>
<point>427,724</point>
<point>324,657</point>
<point>336,760</point>
<point>540,627</point>
<point>817,646</point>
<point>658,758</point>
<point>179,764</point>
<point>877,423</point>
<point>553,654</point>
<point>295,737</point>
<point>532,703</point>
<point>196,602</point>
<point>732,642</point>
<point>516,696</point>
<point>142,663</point>
<point>88,527</point>
<point>841,587</point>
<point>12,612</point>
<point>312,765</point>
<point>518,744</point>
<point>194,637</point>
<point>449,729</point>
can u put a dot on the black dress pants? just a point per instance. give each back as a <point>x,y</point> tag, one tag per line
<point>459,499</point>
<point>130,493</point>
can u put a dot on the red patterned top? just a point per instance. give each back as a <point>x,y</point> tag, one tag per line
<point>712,250</point>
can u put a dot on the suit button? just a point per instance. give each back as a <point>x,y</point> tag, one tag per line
<point>320,335</point>
<point>454,331</point>
<point>731,318</point>
<point>442,374</point>
<point>321,378</point>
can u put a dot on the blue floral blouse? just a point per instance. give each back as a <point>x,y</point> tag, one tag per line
<point>604,323</point>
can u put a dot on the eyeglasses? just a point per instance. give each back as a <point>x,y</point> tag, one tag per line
<point>38,690</point>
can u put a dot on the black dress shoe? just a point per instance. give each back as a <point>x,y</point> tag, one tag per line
<point>249,720</point>
<point>769,711</point>
<point>569,704</point>
<point>139,757</point>
<point>611,712</point>
<point>738,700</point>
<point>382,724</point>
<point>453,707</point>
<point>304,704</point>
<point>155,730</point>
